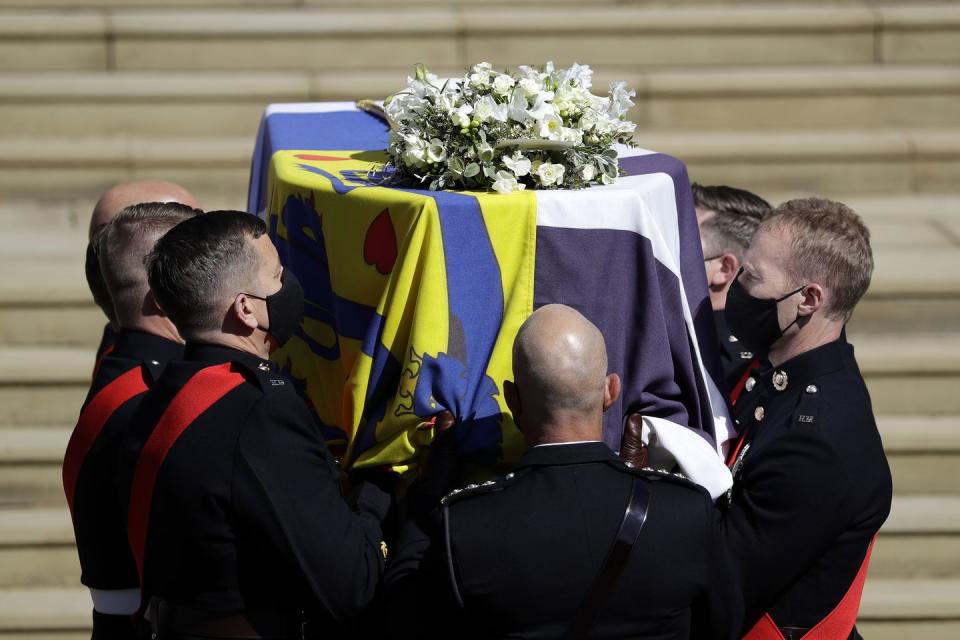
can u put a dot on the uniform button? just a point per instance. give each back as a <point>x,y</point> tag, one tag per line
<point>758,414</point>
<point>509,476</point>
<point>154,362</point>
<point>732,339</point>
<point>751,383</point>
<point>812,389</point>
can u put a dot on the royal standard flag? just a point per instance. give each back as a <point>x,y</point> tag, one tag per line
<point>413,297</point>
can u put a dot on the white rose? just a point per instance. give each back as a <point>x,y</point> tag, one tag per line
<point>531,86</point>
<point>436,152</point>
<point>502,84</point>
<point>588,172</point>
<point>517,163</point>
<point>550,173</point>
<point>507,183</point>
<point>415,155</point>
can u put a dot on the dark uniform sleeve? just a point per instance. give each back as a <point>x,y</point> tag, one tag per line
<point>718,611</point>
<point>286,486</point>
<point>788,512</point>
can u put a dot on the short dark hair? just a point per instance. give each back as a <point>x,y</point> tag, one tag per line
<point>199,263</point>
<point>830,245</point>
<point>91,269</point>
<point>122,246</point>
<point>737,215</point>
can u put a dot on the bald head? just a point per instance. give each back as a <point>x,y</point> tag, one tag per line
<point>116,199</point>
<point>560,373</point>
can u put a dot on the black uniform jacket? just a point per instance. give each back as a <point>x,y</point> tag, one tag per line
<point>518,555</point>
<point>247,513</point>
<point>108,342</point>
<point>734,357</point>
<point>99,524</point>
<point>811,486</point>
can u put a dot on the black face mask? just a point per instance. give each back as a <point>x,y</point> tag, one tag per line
<point>284,308</point>
<point>754,320</point>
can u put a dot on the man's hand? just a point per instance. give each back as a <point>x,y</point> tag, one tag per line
<point>632,448</point>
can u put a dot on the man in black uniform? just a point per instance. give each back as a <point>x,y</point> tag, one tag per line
<point>811,481</point>
<point>146,341</point>
<point>235,517</point>
<point>573,543</point>
<point>112,202</point>
<point>728,218</point>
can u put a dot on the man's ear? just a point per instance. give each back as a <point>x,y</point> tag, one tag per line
<point>243,309</point>
<point>512,398</point>
<point>151,307</point>
<point>611,390</point>
<point>813,300</point>
<point>729,266</point>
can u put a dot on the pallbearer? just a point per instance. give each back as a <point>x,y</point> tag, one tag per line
<point>811,481</point>
<point>112,202</point>
<point>145,342</point>
<point>235,514</point>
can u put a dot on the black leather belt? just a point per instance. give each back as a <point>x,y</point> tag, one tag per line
<point>169,621</point>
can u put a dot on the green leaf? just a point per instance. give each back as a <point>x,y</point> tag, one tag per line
<point>471,170</point>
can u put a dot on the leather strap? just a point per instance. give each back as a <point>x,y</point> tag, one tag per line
<point>634,517</point>
<point>93,417</point>
<point>201,391</point>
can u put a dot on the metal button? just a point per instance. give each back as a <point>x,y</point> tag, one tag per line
<point>509,476</point>
<point>812,389</point>
<point>751,383</point>
<point>758,414</point>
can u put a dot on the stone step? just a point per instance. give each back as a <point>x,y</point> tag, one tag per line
<point>894,161</point>
<point>923,452</point>
<point>397,37</point>
<point>230,103</point>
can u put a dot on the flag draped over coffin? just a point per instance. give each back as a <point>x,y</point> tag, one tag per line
<point>413,298</point>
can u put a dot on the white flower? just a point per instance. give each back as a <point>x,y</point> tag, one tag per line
<point>542,107</point>
<point>507,183</point>
<point>487,109</point>
<point>551,127</point>
<point>502,84</point>
<point>517,107</point>
<point>625,126</point>
<point>581,74</point>
<point>517,163</point>
<point>588,172</point>
<point>480,74</point>
<point>571,134</point>
<point>550,173</point>
<point>531,86</point>
<point>605,179</point>
<point>620,101</point>
<point>436,152</point>
<point>461,116</point>
<point>415,154</point>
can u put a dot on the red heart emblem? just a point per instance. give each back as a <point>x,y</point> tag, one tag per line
<point>380,244</point>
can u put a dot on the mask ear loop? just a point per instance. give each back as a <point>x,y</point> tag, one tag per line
<point>797,319</point>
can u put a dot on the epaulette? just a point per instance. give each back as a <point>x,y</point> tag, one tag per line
<point>489,486</point>
<point>270,381</point>
<point>659,474</point>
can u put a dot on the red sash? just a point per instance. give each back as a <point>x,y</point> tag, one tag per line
<point>201,391</point>
<point>92,419</point>
<point>106,352</point>
<point>738,388</point>
<point>836,626</point>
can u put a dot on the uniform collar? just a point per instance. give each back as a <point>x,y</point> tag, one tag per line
<point>573,453</point>
<point>217,354</point>
<point>145,347</point>
<point>802,369</point>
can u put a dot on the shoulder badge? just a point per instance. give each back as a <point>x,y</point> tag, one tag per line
<point>478,488</point>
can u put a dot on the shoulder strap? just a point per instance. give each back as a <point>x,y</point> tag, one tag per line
<point>201,391</point>
<point>634,517</point>
<point>92,419</point>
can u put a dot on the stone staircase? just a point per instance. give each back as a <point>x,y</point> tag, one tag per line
<point>852,99</point>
